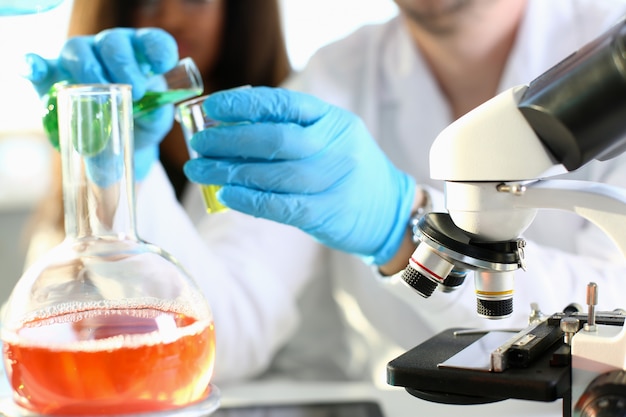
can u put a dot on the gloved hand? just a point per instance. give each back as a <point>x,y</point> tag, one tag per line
<point>294,159</point>
<point>121,55</point>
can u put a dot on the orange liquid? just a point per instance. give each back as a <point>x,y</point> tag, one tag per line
<point>110,362</point>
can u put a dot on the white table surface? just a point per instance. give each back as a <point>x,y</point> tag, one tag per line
<point>394,401</point>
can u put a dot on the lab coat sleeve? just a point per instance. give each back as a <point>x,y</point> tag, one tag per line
<point>250,270</point>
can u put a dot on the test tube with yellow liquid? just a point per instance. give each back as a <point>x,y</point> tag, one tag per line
<point>192,118</point>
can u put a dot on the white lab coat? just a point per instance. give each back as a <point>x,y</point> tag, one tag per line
<point>276,293</point>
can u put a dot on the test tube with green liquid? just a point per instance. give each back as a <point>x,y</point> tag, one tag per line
<point>192,118</point>
<point>180,83</point>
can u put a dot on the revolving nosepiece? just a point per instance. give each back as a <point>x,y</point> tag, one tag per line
<point>445,254</point>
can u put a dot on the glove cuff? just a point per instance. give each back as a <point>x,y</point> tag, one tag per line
<point>403,212</point>
<point>420,212</point>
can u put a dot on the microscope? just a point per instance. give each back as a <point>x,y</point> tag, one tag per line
<point>497,162</point>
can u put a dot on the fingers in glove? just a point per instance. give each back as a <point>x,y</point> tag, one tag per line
<point>308,176</point>
<point>298,210</point>
<point>158,49</point>
<point>269,141</point>
<point>81,62</point>
<point>265,104</point>
<point>37,69</point>
<point>129,56</point>
<point>42,73</point>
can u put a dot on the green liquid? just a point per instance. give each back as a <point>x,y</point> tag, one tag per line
<point>50,117</point>
<point>150,101</point>
<point>94,131</point>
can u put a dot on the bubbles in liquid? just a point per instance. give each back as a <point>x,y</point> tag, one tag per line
<point>104,326</point>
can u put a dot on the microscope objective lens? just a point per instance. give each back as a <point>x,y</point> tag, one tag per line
<point>424,286</point>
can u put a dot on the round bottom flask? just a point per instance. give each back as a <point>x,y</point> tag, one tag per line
<point>105,323</point>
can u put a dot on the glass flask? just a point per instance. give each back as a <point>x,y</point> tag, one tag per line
<point>105,323</point>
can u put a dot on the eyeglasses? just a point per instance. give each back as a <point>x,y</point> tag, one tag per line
<point>151,7</point>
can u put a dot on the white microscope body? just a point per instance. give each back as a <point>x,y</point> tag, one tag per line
<point>496,162</point>
<point>492,192</point>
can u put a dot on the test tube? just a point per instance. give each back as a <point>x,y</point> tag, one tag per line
<point>178,84</point>
<point>192,118</point>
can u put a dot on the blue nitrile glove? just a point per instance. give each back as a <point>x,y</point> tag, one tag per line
<point>303,162</point>
<point>120,55</point>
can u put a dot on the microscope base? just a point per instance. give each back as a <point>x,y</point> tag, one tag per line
<point>417,370</point>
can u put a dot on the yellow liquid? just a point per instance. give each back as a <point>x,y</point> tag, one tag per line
<point>211,202</point>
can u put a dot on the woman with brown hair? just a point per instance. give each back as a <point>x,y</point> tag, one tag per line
<point>232,42</point>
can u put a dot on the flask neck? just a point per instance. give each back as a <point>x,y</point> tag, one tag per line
<point>94,210</point>
<point>95,132</point>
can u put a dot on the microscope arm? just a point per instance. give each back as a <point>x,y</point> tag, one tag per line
<point>601,204</point>
<point>513,206</point>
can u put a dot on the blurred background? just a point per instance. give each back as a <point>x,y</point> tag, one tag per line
<point>24,151</point>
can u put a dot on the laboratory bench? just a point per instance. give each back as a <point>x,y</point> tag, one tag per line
<point>392,401</point>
